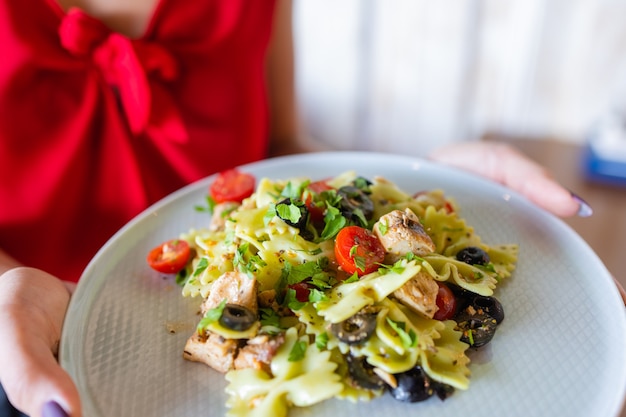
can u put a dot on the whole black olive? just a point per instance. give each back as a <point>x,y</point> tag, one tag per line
<point>356,329</point>
<point>473,255</point>
<point>487,304</point>
<point>412,386</point>
<point>478,328</point>
<point>490,306</point>
<point>353,201</point>
<point>362,373</point>
<point>237,317</point>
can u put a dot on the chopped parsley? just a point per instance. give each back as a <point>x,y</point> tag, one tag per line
<point>290,212</point>
<point>202,265</point>
<point>208,207</point>
<point>211,316</point>
<point>316,295</point>
<point>269,317</point>
<point>245,262</point>
<point>298,351</point>
<point>333,222</point>
<point>321,340</point>
<point>359,261</point>
<point>291,301</point>
<point>293,274</point>
<point>181,277</point>
<point>409,339</point>
<point>383,228</point>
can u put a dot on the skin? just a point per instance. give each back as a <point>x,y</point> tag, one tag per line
<point>33,302</point>
<point>506,165</point>
<point>33,305</point>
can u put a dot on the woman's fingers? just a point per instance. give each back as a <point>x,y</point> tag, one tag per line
<point>32,309</point>
<point>506,165</point>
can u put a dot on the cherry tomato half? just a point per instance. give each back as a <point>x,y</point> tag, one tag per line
<point>232,185</point>
<point>358,250</point>
<point>316,212</point>
<point>169,257</point>
<point>446,303</point>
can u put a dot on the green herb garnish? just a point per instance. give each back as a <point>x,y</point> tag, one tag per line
<point>298,351</point>
<point>211,316</point>
<point>409,339</point>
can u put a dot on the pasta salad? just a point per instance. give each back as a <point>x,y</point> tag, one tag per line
<point>346,287</point>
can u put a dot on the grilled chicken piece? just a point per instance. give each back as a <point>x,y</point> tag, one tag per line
<point>259,352</point>
<point>220,214</point>
<point>224,354</point>
<point>419,294</point>
<point>236,288</point>
<point>402,233</point>
<point>214,350</point>
<point>267,299</point>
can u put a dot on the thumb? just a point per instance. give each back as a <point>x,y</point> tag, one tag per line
<point>35,378</point>
<point>32,309</point>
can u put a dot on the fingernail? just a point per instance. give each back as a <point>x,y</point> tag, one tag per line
<point>584,209</point>
<point>53,409</point>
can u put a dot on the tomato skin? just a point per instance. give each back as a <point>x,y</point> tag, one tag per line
<point>366,246</point>
<point>302,290</point>
<point>232,185</point>
<point>316,212</point>
<point>446,303</point>
<point>169,257</point>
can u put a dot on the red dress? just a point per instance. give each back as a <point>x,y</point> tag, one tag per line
<point>94,126</point>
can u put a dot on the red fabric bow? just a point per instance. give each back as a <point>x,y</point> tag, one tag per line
<point>134,68</point>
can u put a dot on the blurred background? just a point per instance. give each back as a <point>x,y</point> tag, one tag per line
<point>409,75</point>
<point>377,74</point>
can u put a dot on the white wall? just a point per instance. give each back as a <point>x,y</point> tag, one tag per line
<point>398,75</point>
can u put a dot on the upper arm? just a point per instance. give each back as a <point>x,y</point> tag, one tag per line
<point>281,81</point>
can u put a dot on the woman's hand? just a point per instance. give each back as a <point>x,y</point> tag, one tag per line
<point>506,165</point>
<point>32,308</point>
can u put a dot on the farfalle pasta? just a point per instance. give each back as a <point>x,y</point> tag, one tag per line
<point>340,288</point>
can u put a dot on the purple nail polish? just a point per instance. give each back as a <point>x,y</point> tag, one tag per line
<point>584,209</point>
<point>53,409</point>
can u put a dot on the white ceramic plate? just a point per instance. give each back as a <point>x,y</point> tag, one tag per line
<point>560,352</point>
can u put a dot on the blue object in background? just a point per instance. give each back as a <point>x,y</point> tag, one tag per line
<point>604,157</point>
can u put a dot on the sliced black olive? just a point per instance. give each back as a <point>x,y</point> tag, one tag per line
<point>473,255</point>
<point>237,317</point>
<point>478,328</point>
<point>362,374</point>
<point>356,329</point>
<point>362,184</point>
<point>413,386</point>
<point>300,219</point>
<point>490,306</point>
<point>355,203</point>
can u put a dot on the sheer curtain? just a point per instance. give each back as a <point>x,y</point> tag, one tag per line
<point>408,75</point>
